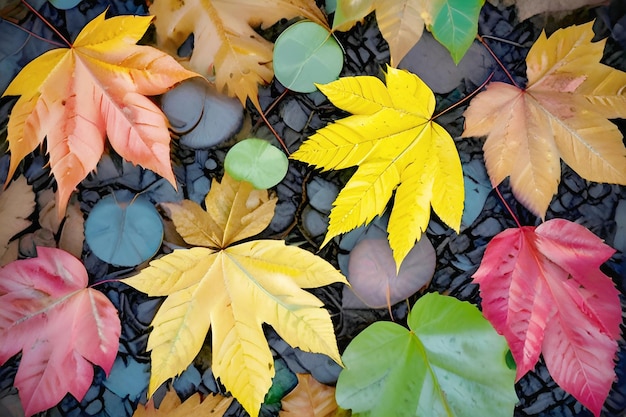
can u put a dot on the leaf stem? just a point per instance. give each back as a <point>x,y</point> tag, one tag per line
<point>280,140</point>
<point>34,35</point>
<point>508,207</point>
<point>104,281</point>
<point>55,30</point>
<point>464,99</point>
<point>508,74</point>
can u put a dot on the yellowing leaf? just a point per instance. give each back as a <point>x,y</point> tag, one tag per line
<point>77,96</point>
<point>17,203</point>
<point>234,289</point>
<point>561,114</point>
<point>309,399</point>
<point>213,405</point>
<point>395,143</point>
<point>225,40</point>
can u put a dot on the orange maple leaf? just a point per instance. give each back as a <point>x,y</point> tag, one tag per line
<point>76,95</point>
<point>561,114</point>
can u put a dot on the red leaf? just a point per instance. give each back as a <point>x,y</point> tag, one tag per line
<point>60,326</point>
<point>543,290</point>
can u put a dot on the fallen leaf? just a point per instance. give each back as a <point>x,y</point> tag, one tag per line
<point>561,114</point>
<point>225,40</point>
<point>396,145</point>
<point>450,362</point>
<point>17,203</point>
<point>234,289</point>
<point>76,96</point>
<point>309,399</point>
<point>453,23</point>
<point>61,327</point>
<point>70,229</point>
<point>542,288</point>
<point>171,406</point>
<point>373,276</point>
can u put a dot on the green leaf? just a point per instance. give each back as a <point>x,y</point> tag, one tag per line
<point>455,24</point>
<point>257,162</point>
<point>306,54</point>
<point>451,363</point>
<point>124,231</point>
<point>283,382</point>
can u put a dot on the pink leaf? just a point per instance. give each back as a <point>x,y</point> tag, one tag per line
<point>60,326</point>
<point>373,278</point>
<point>543,290</point>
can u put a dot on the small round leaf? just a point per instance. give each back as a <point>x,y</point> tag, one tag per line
<point>305,54</point>
<point>64,4</point>
<point>256,161</point>
<point>124,233</point>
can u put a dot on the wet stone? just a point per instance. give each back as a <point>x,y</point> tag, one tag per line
<point>94,407</point>
<point>489,227</point>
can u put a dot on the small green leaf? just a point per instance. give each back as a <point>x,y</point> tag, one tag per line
<point>306,54</point>
<point>124,231</point>
<point>451,363</point>
<point>256,161</point>
<point>455,24</point>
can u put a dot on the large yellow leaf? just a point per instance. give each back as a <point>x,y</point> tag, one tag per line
<point>225,40</point>
<point>234,289</point>
<point>77,96</point>
<point>395,143</point>
<point>561,114</point>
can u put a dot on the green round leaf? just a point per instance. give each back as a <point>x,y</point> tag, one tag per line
<point>64,4</point>
<point>124,232</point>
<point>305,54</point>
<point>451,363</point>
<point>256,161</point>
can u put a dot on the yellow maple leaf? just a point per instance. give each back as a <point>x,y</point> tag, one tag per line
<point>225,40</point>
<point>234,289</point>
<point>171,406</point>
<point>561,114</point>
<point>393,140</point>
<point>75,96</point>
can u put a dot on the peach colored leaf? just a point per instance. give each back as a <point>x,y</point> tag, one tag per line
<point>61,327</point>
<point>233,289</point>
<point>309,399</point>
<point>225,40</point>
<point>171,406</point>
<point>561,114</point>
<point>17,203</point>
<point>542,288</point>
<point>75,97</point>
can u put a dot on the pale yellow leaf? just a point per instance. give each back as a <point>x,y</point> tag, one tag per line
<point>309,399</point>
<point>17,203</point>
<point>234,291</point>
<point>562,114</point>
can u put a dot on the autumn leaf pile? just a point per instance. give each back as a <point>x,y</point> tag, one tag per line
<point>541,285</point>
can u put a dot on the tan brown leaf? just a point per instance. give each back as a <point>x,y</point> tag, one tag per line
<point>17,203</point>
<point>310,399</point>
<point>171,406</point>
<point>225,40</point>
